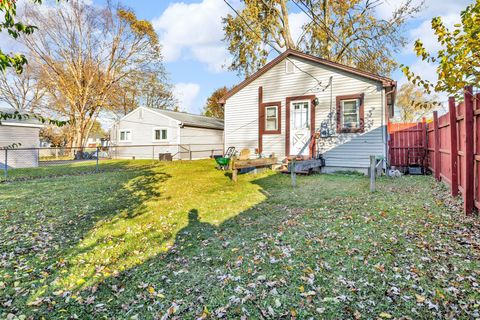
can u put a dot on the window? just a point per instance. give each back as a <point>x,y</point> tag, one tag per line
<point>125,135</point>
<point>350,114</point>
<point>270,116</point>
<point>271,119</point>
<point>160,134</point>
<point>300,115</point>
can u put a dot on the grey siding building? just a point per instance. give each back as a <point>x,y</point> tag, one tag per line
<point>145,133</point>
<point>23,133</point>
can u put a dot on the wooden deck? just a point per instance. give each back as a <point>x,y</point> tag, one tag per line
<point>306,166</point>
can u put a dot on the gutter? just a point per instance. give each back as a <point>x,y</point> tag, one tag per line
<point>183,125</point>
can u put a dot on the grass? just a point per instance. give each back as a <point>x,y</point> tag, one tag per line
<point>147,241</point>
<point>70,168</point>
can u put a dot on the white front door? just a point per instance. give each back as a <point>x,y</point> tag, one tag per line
<point>299,127</point>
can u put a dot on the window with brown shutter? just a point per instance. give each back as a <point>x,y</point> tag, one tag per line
<point>350,114</point>
<point>270,118</point>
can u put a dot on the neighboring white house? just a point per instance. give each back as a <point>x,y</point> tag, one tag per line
<point>297,96</point>
<point>145,133</point>
<point>26,135</point>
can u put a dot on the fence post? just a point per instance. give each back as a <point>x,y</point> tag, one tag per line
<point>468,197</point>
<point>452,112</point>
<point>436,135</point>
<point>424,133</point>
<point>5,169</point>
<point>293,173</point>
<point>98,156</point>
<point>190,151</point>
<point>372,173</point>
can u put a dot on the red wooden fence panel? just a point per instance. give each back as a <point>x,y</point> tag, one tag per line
<point>476,114</point>
<point>461,146</point>
<point>452,115</point>
<point>406,144</point>
<point>451,144</point>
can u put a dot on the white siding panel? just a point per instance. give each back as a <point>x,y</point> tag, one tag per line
<point>203,142</point>
<point>344,150</point>
<point>27,137</point>
<point>142,122</point>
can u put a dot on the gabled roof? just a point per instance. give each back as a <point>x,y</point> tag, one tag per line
<point>386,82</point>
<point>191,120</point>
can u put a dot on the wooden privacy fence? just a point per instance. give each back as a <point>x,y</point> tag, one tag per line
<point>407,144</point>
<point>452,147</point>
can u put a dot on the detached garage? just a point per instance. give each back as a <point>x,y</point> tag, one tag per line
<point>26,134</point>
<point>147,133</point>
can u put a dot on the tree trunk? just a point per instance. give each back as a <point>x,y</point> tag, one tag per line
<point>287,35</point>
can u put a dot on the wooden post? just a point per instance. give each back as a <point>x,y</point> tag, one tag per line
<point>436,135</point>
<point>468,197</point>
<point>425,143</point>
<point>293,173</point>
<point>234,175</point>
<point>372,173</point>
<point>452,112</point>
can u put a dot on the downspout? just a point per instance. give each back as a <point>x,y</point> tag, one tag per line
<point>392,93</point>
<point>222,103</point>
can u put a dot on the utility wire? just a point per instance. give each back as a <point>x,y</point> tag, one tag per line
<point>313,17</point>
<point>319,83</point>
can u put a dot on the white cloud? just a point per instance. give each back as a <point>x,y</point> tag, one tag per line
<point>297,20</point>
<point>425,33</point>
<point>431,8</point>
<point>186,93</point>
<point>194,30</point>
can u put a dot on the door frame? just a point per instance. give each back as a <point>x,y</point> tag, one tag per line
<point>288,101</point>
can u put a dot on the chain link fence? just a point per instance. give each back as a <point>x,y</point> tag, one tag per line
<point>31,163</point>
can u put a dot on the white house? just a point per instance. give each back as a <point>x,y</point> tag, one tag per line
<point>298,99</point>
<point>145,133</point>
<point>25,134</point>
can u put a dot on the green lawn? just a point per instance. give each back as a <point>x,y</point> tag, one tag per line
<point>146,241</point>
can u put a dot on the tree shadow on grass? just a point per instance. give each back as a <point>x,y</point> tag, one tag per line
<point>55,215</point>
<point>270,255</point>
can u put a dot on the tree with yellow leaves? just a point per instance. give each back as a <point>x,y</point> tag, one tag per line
<point>347,32</point>
<point>84,53</point>
<point>459,58</point>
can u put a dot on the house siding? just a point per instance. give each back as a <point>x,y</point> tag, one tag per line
<point>142,122</point>
<point>347,150</point>
<point>27,137</point>
<point>203,142</point>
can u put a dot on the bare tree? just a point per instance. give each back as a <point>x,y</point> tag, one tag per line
<point>21,91</point>
<point>83,52</point>
<point>142,89</point>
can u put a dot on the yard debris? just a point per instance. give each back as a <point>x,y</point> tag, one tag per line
<point>132,248</point>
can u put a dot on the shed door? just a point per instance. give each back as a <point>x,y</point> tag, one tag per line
<point>299,127</point>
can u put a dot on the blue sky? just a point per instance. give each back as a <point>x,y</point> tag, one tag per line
<point>191,34</point>
<point>195,55</point>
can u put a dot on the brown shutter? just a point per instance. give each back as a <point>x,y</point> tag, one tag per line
<point>339,115</point>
